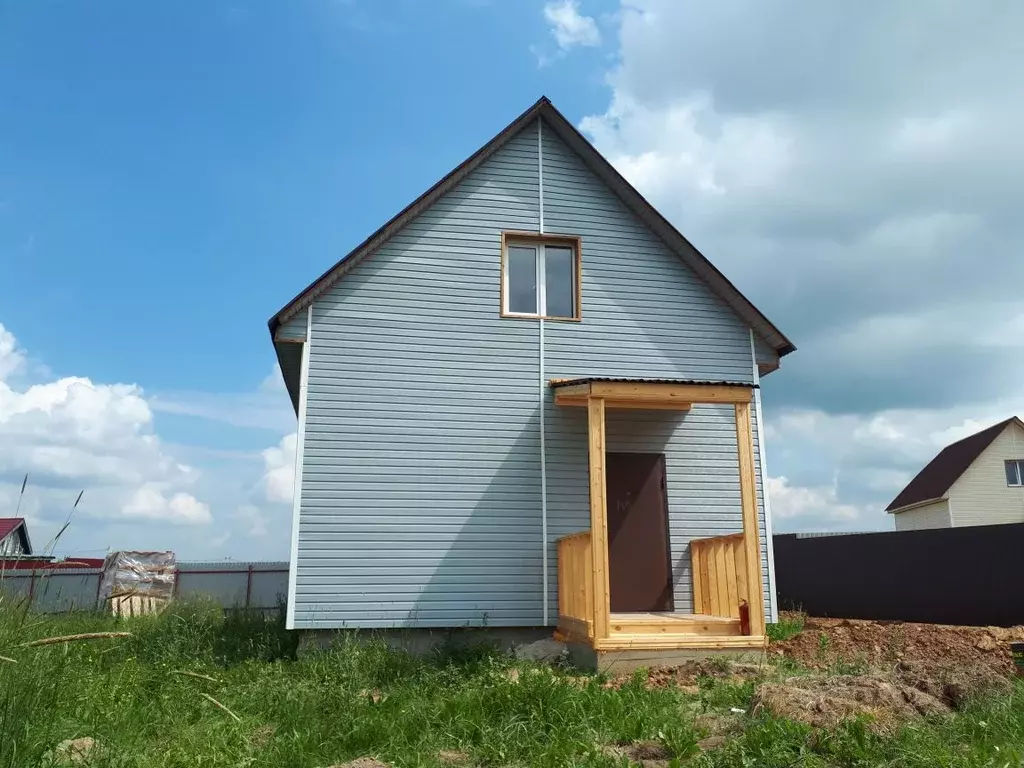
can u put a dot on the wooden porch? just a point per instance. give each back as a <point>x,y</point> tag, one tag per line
<point>726,570</point>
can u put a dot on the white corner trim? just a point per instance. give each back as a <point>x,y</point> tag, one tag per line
<point>765,500</point>
<point>300,444</point>
<point>540,175</point>
<point>542,394</point>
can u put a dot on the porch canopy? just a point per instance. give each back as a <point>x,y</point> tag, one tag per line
<point>597,394</point>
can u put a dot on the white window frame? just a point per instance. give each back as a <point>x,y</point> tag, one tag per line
<point>539,244</point>
<point>1019,464</point>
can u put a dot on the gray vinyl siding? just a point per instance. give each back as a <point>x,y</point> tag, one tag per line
<point>292,329</point>
<point>645,314</point>
<point>421,478</point>
<point>764,353</point>
<point>420,499</point>
<point>702,469</point>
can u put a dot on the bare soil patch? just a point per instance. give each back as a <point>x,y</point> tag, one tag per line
<point>685,676</point>
<point>910,690</point>
<point>649,754</point>
<point>824,642</point>
<point>362,762</point>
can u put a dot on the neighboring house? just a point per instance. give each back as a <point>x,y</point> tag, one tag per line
<point>14,541</point>
<point>975,481</point>
<point>519,403</point>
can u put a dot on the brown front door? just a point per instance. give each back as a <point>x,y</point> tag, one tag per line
<point>639,570</point>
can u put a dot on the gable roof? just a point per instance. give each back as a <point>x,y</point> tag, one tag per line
<point>9,525</point>
<point>633,200</point>
<point>940,473</point>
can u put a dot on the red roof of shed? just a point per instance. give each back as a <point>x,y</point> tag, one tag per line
<point>9,525</point>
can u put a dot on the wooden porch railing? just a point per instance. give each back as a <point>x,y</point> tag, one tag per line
<point>719,569</point>
<point>575,585</point>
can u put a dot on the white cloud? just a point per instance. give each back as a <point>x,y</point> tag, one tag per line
<point>570,27</point>
<point>11,358</point>
<point>863,192</point>
<point>151,502</point>
<point>279,470</point>
<point>256,522</point>
<point>73,433</point>
<point>818,504</point>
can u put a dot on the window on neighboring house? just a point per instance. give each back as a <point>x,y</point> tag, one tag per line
<point>1014,471</point>
<point>540,277</point>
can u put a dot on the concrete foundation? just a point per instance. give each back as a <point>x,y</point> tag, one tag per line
<point>619,662</point>
<point>422,641</point>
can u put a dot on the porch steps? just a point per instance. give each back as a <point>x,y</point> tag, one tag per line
<point>627,642</point>
<point>662,624</point>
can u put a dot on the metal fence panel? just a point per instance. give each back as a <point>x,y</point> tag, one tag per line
<point>943,575</point>
<point>257,585</point>
<point>53,591</point>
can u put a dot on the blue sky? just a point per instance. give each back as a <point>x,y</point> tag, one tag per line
<point>172,173</point>
<point>177,171</point>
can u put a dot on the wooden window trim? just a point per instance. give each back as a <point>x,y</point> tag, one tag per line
<point>536,238</point>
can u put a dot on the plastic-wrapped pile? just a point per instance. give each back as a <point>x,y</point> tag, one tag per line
<point>142,574</point>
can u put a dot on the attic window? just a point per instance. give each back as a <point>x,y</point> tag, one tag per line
<point>1014,471</point>
<point>540,276</point>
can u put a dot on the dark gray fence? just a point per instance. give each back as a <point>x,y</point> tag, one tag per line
<point>967,576</point>
<point>235,585</point>
<point>258,586</point>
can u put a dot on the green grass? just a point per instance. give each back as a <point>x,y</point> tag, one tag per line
<point>788,626</point>
<point>363,699</point>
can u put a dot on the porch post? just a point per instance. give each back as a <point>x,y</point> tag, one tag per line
<point>598,515</point>
<point>748,500</point>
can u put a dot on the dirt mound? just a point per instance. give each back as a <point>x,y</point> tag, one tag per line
<point>910,690</point>
<point>824,642</point>
<point>686,675</point>
<point>649,754</point>
<point>362,762</point>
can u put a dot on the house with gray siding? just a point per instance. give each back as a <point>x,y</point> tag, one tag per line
<point>527,401</point>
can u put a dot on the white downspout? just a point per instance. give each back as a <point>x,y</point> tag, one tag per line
<point>542,390</point>
<point>769,543</point>
<point>300,443</point>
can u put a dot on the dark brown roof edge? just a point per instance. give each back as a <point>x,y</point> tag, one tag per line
<point>398,221</point>
<point>636,202</point>
<point>939,474</point>
<point>711,275</point>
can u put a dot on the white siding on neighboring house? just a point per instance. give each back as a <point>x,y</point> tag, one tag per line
<point>11,545</point>
<point>934,515</point>
<point>981,496</point>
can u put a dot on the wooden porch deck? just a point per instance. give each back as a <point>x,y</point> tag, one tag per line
<point>726,570</point>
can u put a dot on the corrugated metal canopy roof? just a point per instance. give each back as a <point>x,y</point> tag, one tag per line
<point>635,380</point>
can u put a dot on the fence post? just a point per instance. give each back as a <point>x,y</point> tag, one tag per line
<point>248,586</point>
<point>99,584</point>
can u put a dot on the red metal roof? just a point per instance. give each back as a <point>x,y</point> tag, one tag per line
<point>10,525</point>
<point>35,563</point>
